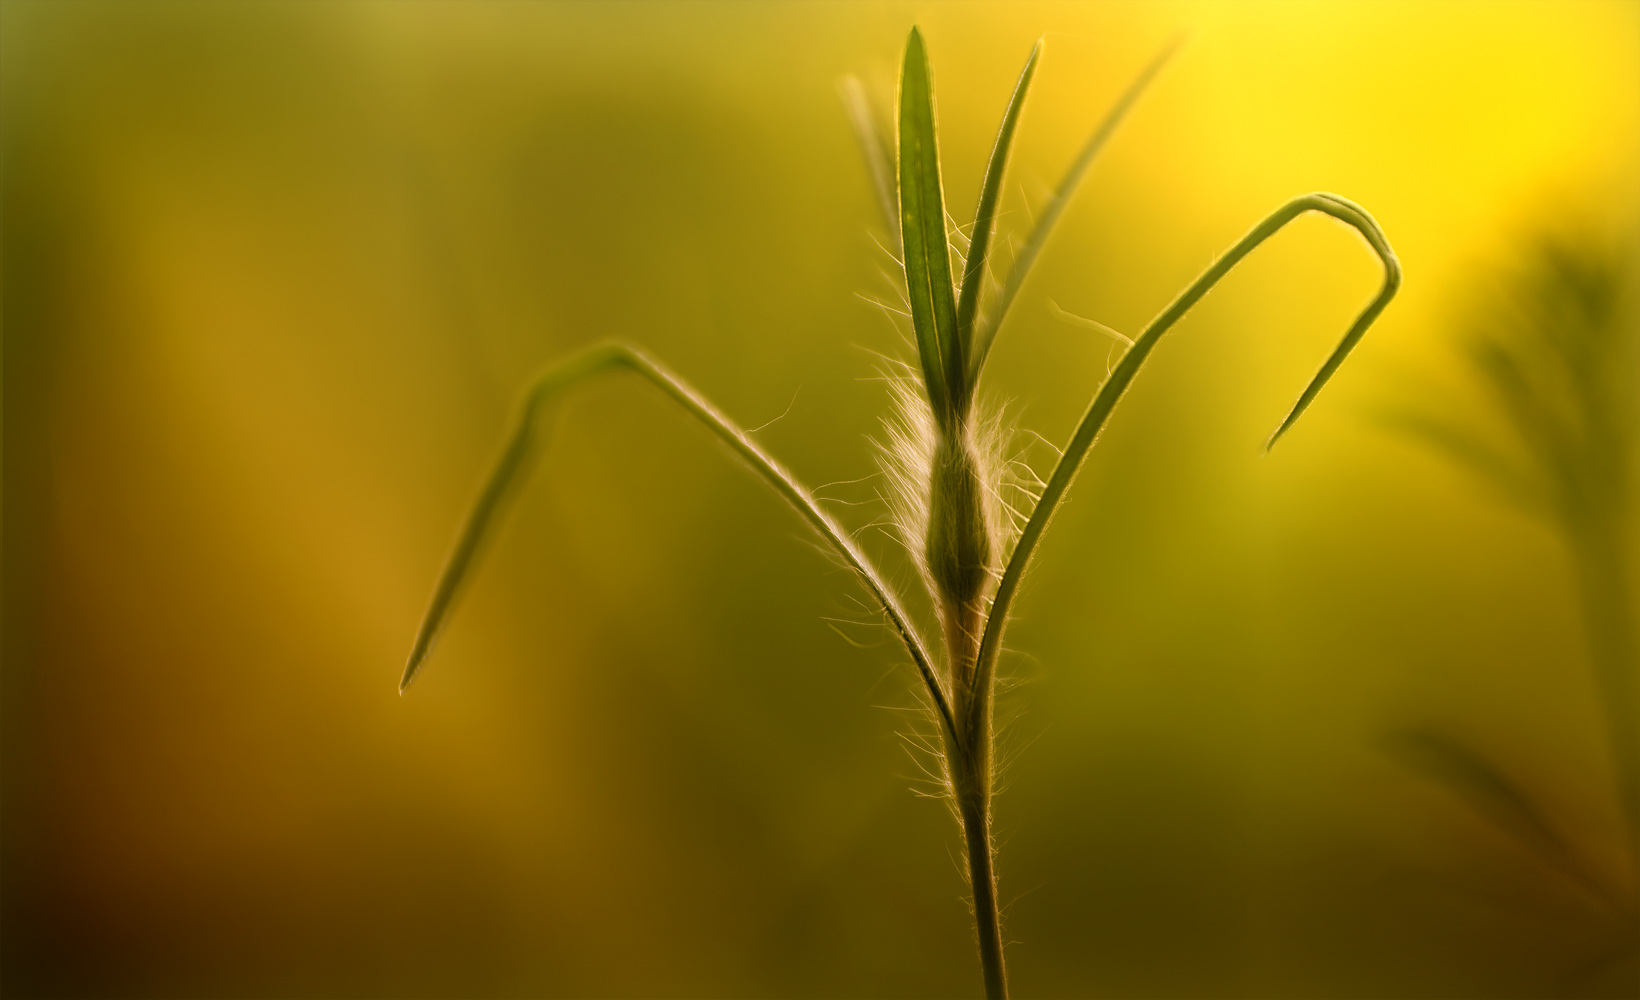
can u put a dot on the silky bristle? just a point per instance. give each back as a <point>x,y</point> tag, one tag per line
<point>907,455</point>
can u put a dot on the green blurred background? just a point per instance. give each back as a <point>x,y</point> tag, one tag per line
<point>275,274</point>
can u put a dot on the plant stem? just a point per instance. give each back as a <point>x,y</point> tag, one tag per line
<point>970,761</point>
<point>974,806</point>
<point>1598,552</point>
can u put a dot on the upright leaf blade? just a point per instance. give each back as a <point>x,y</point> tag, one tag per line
<point>873,146</point>
<point>986,331</point>
<point>923,238</point>
<point>985,215</point>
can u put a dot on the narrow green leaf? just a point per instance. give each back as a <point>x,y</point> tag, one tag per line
<point>1110,393</point>
<point>986,332</point>
<point>875,150</point>
<point>923,239</point>
<point>1495,796</point>
<point>985,215</point>
<point>1491,465</point>
<point>610,357</point>
<point>1492,793</point>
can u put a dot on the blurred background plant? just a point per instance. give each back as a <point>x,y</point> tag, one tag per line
<point>1553,341</point>
<point>275,275</point>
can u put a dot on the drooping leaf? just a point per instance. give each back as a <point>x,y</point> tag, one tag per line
<point>1353,215</point>
<point>924,241</point>
<point>474,533</point>
<point>1116,384</point>
<point>985,215</point>
<point>612,357</point>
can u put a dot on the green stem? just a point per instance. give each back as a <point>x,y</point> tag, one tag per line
<point>1599,552</point>
<point>976,829</point>
<point>969,757</point>
<point>971,785</point>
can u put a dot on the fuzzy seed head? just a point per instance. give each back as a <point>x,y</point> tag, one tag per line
<point>946,495</point>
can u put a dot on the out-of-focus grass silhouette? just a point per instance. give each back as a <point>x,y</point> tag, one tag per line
<point>1553,341</point>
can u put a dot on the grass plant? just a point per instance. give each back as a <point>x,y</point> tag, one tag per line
<point>945,452</point>
<point>1554,343</point>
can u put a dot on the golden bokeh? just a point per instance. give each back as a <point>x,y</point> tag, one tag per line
<point>275,275</point>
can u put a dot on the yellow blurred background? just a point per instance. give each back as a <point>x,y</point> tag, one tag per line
<point>276,273</point>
